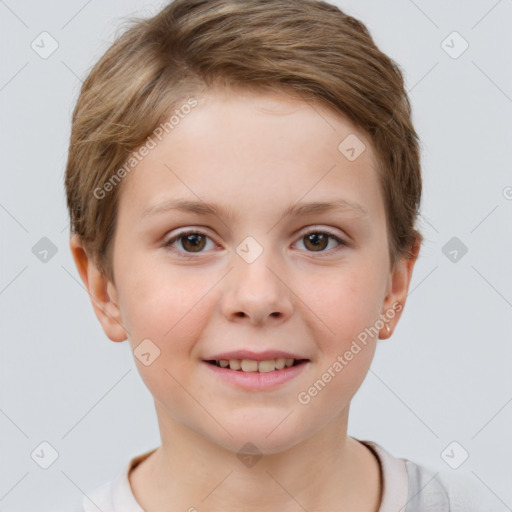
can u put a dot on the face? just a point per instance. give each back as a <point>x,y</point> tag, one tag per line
<point>195,284</point>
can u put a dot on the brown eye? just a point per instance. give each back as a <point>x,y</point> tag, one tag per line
<point>193,242</point>
<point>316,241</point>
<point>188,242</point>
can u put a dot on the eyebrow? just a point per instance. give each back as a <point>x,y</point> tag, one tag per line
<point>297,209</point>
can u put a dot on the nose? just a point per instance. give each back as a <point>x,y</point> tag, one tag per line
<point>257,293</point>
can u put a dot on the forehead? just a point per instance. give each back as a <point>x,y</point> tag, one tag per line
<point>253,150</point>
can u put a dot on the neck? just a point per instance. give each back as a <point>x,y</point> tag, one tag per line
<point>327,471</point>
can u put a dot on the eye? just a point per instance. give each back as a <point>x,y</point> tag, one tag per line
<point>318,241</point>
<point>191,242</point>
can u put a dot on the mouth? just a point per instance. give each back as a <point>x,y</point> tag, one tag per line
<point>256,375</point>
<point>252,365</point>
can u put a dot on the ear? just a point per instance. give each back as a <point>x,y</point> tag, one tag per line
<point>398,287</point>
<point>102,292</point>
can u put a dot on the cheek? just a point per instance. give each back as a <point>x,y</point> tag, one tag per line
<point>165,317</point>
<point>166,307</point>
<point>340,375</point>
<point>347,303</point>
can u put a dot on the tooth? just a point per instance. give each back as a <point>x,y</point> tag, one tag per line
<point>280,362</point>
<point>249,365</point>
<point>234,364</point>
<point>267,366</point>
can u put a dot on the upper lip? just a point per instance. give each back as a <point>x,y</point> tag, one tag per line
<point>255,356</point>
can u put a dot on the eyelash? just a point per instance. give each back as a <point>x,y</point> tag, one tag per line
<point>189,255</point>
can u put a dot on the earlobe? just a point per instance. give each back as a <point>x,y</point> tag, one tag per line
<point>398,288</point>
<point>101,290</point>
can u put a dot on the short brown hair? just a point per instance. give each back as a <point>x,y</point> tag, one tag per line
<point>305,47</point>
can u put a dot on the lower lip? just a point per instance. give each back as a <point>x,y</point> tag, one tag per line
<point>256,380</point>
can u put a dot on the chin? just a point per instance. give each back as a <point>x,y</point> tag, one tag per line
<point>258,439</point>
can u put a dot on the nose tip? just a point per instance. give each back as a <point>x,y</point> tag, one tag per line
<point>274,314</point>
<point>257,294</point>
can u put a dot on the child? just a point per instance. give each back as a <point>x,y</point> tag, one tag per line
<point>254,131</point>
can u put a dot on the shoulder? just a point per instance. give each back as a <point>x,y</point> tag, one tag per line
<point>422,489</point>
<point>115,495</point>
<point>434,491</point>
<point>425,490</point>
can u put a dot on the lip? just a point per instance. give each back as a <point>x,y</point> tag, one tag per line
<point>255,356</point>
<point>256,381</point>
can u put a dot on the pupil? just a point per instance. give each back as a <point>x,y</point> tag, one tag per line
<point>194,240</point>
<point>316,239</point>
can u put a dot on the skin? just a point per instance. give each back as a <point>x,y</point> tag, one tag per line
<point>256,154</point>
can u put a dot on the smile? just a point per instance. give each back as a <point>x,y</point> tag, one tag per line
<point>251,365</point>
<point>248,375</point>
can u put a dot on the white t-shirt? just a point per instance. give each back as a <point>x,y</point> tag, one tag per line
<point>407,487</point>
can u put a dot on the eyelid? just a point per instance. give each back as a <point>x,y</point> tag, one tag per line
<point>340,235</point>
<point>342,240</point>
<point>314,228</point>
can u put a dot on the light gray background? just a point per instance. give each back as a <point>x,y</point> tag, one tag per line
<point>444,376</point>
